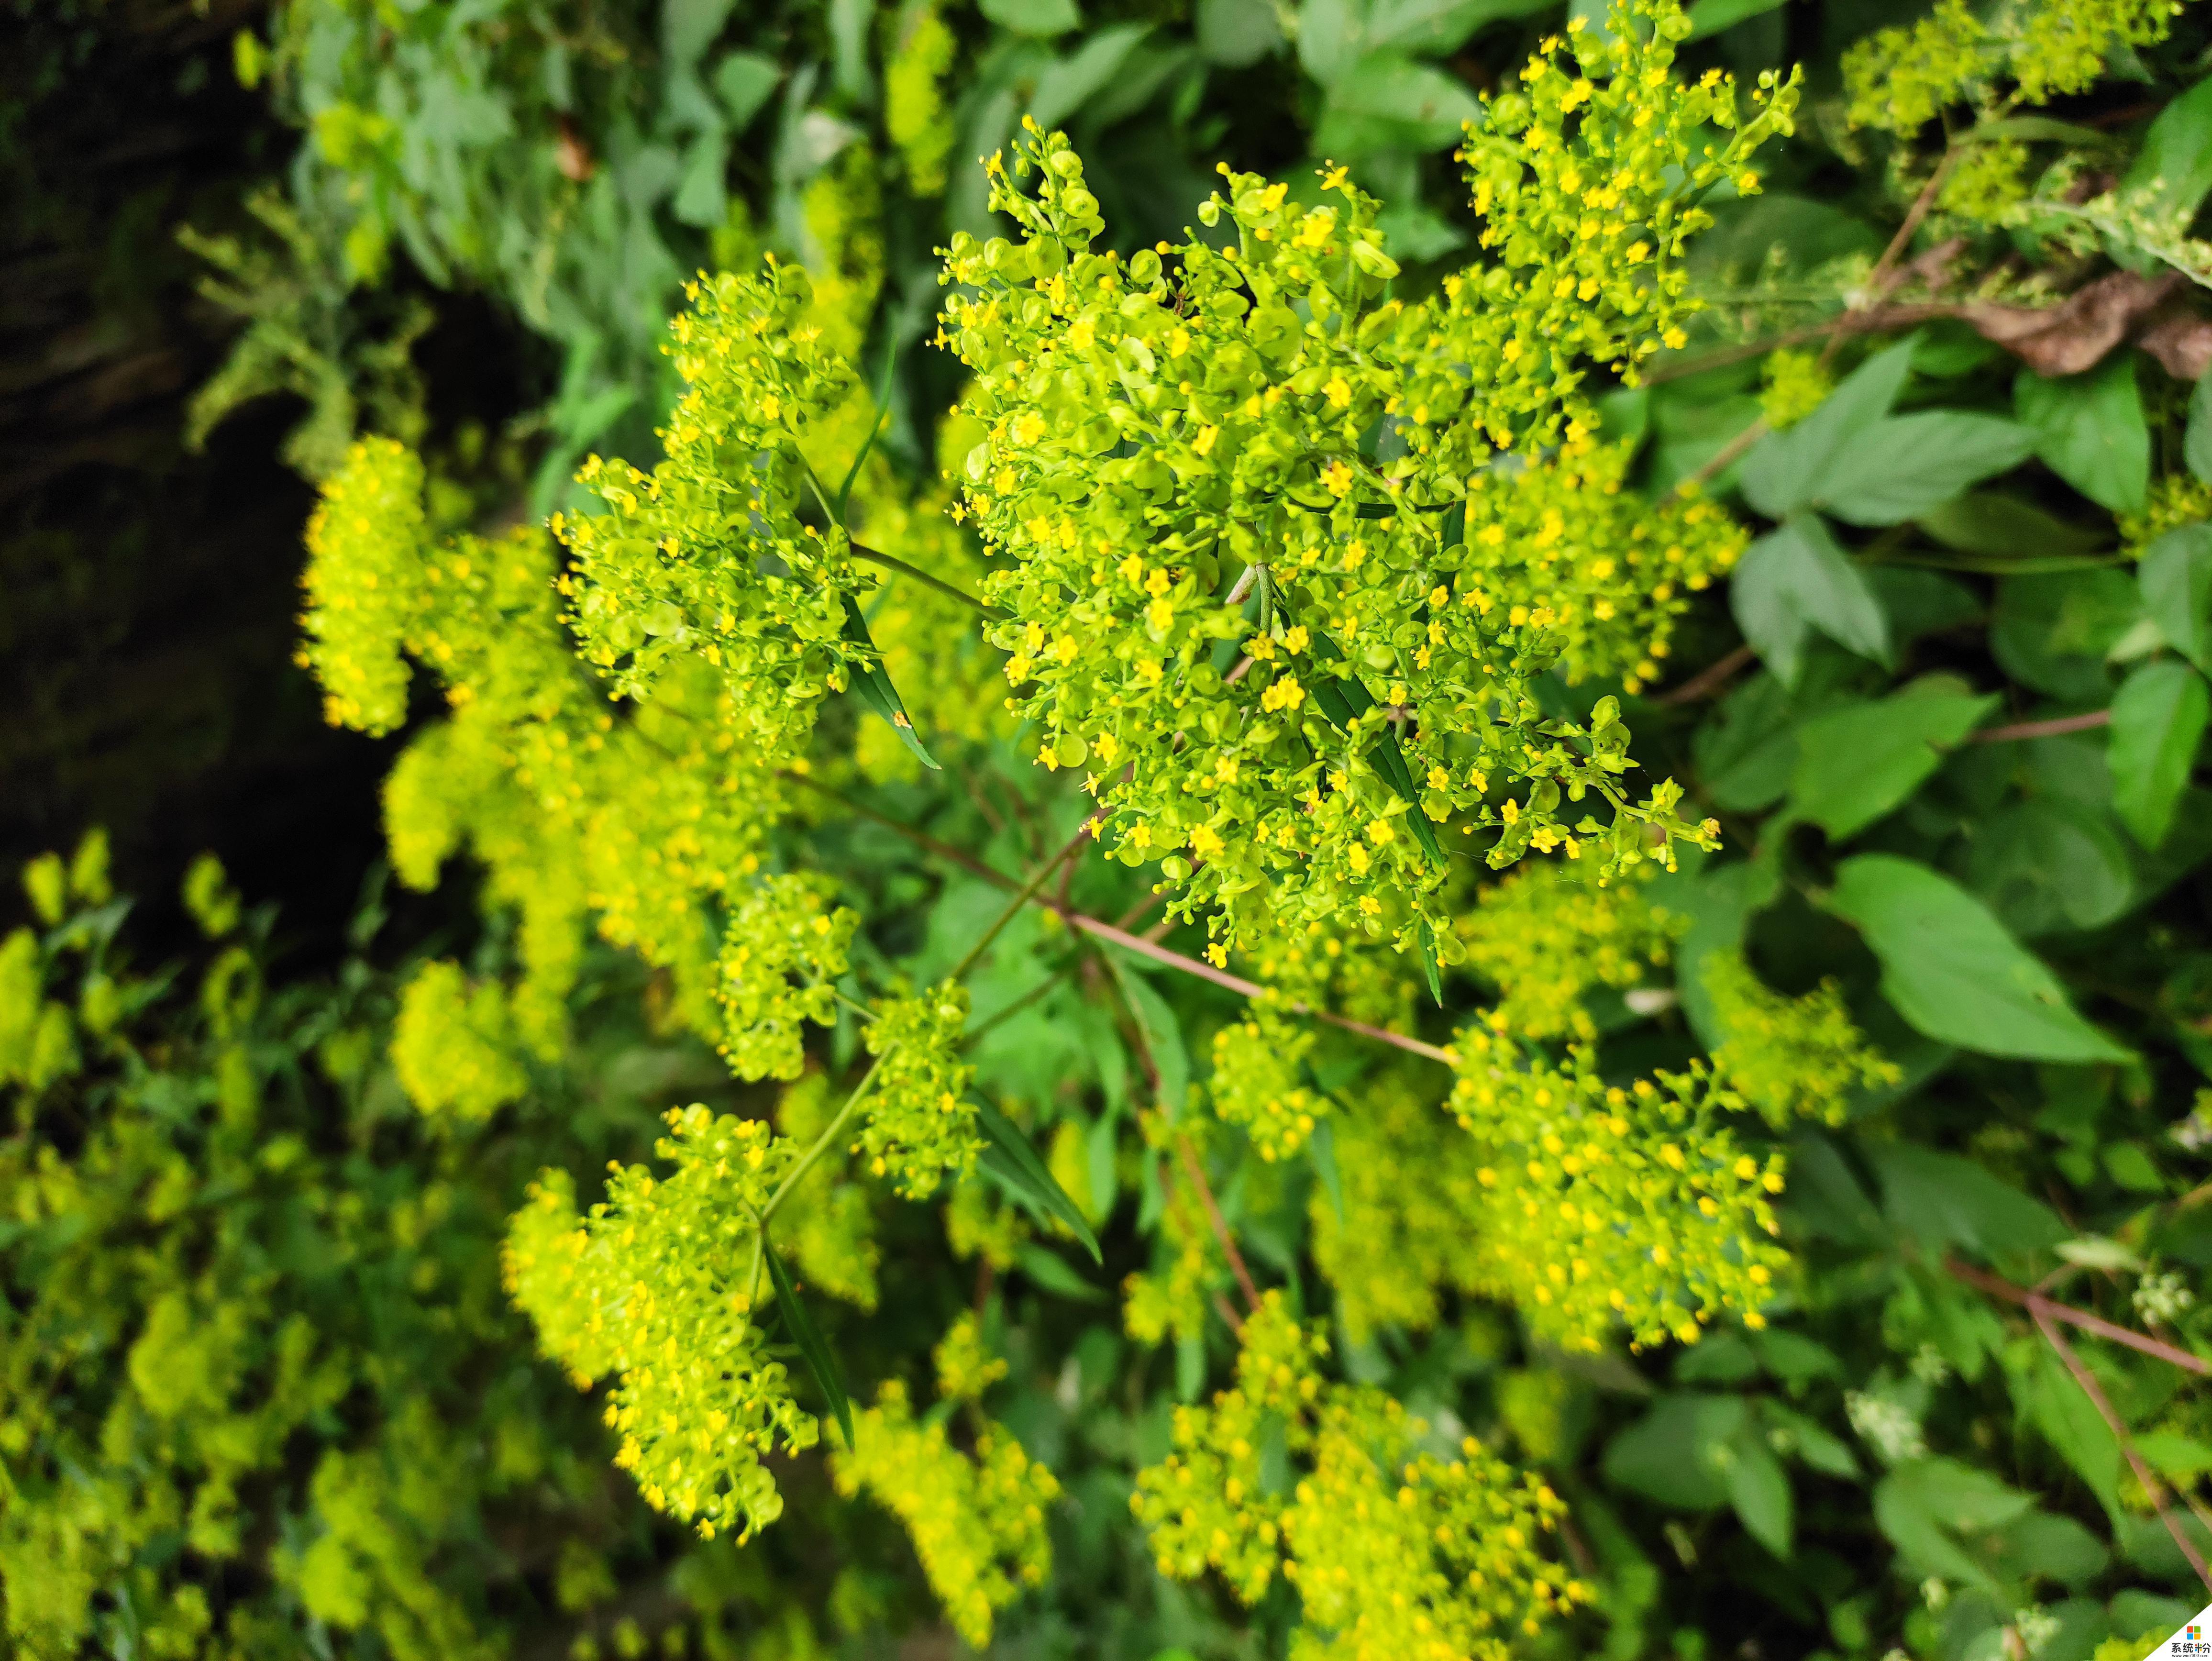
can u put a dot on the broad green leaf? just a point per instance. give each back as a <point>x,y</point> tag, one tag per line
<point>743,79</point>
<point>2196,444</point>
<point>2089,429</point>
<point>2174,168</point>
<point>2158,724</point>
<point>2062,1411</point>
<point>1786,470</point>
<point>1236,32</point>
<point>2053,630</point>
<point>1720,903</point>
<point>1854,764</point>
<point>1810,1441</point>
<point>1759,1489</point>
<point>820,1361</point>
<point>688,28</point>
<point>2176,582</point>
<point>1902,467</point>
<point>2049,863</point>
<point>1922,1503</point>
<point>1439,27</point>
<point>1042,20</point>
<point>1677,1453</point>
<point>1748,750</point>
<point>2041,1546</point>
<point>703,198</point>
<point>1069,84</point>
<point>1162,1033</point>
<point>1386,101</point>
<point>1796,577</point>
<point>1010,1160</point>
<point>1953,972</point>
<point>1942,1200</point>
<point>1711,16</point>
<point>2004,526</point>
<point>873,687</point>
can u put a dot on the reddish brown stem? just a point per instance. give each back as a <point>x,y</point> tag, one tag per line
<point>1106,931</point>
<point>2044,729</point>
<point>1710,679</point>
<point>1205,1193</point>
<point>1998,1286</point>
<point>2152,1488</point>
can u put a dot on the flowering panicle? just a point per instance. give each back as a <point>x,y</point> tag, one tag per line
<point>652,1285</point>
<point>781,932</point>
<point>920,49</point>
<point>1549,932</point>
<point>919,1126</point>
<point>978,1523</point>
<point>709,556</point>
<point>1899,79</point>
<point>1258,1069</point>
<point>1790,1057</point>
<point>1394,1551</point>
<point>1606,570</point>
<point>1260,627</point>
<point>454,1045</point>
<point>1612,1207</point>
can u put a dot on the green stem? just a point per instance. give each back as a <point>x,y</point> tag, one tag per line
<point>808,1160</point>
<point>1027,892</point>
<point>890,563</point>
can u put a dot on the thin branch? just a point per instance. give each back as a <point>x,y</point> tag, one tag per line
<point>1221,1233</point>
<point>891,562</point>
<point>1998,1286</point>
<point>2044,729</point>
<point>2152,1488</point>
<point>1710,679</point>
<point>1028,893</point>
<point>1727,454</point>
<point>921,839</point>
<point>1121,937</point>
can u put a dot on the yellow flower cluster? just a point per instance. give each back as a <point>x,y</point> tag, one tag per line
<point>1549,932</point>
<point>707,557</point>
<point>1613,571</point>
<point>2176,499</point>
<point>653,1285</point>
<point>1262,626</point>
<point>453,1045</point>
<point>965,1369</point>
<point>918,1126</point>
<point>1258,1065</point>
<point>1397,1554</point>
<point>1612,1207</point>
<point>1796,383</point>
<point>1898,79</point>
<point>363,582</point>
<point>781,930</point>
<point>978,1523</point>
<point>1410,1183</point>
<point>1789,1057</point>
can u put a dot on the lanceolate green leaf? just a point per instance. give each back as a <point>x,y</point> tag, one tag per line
<point>1010,1161</point>
<point>1795,578</point>
<point>875,689</point>
<point>1949,968</point>
<point>1904,466</point>
<point>1343,699</point>
<point>1162,1033</point>
<point>2091,432</point>
<point>820,1361</point>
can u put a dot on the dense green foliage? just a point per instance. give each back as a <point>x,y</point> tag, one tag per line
<point>1432,874</point>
